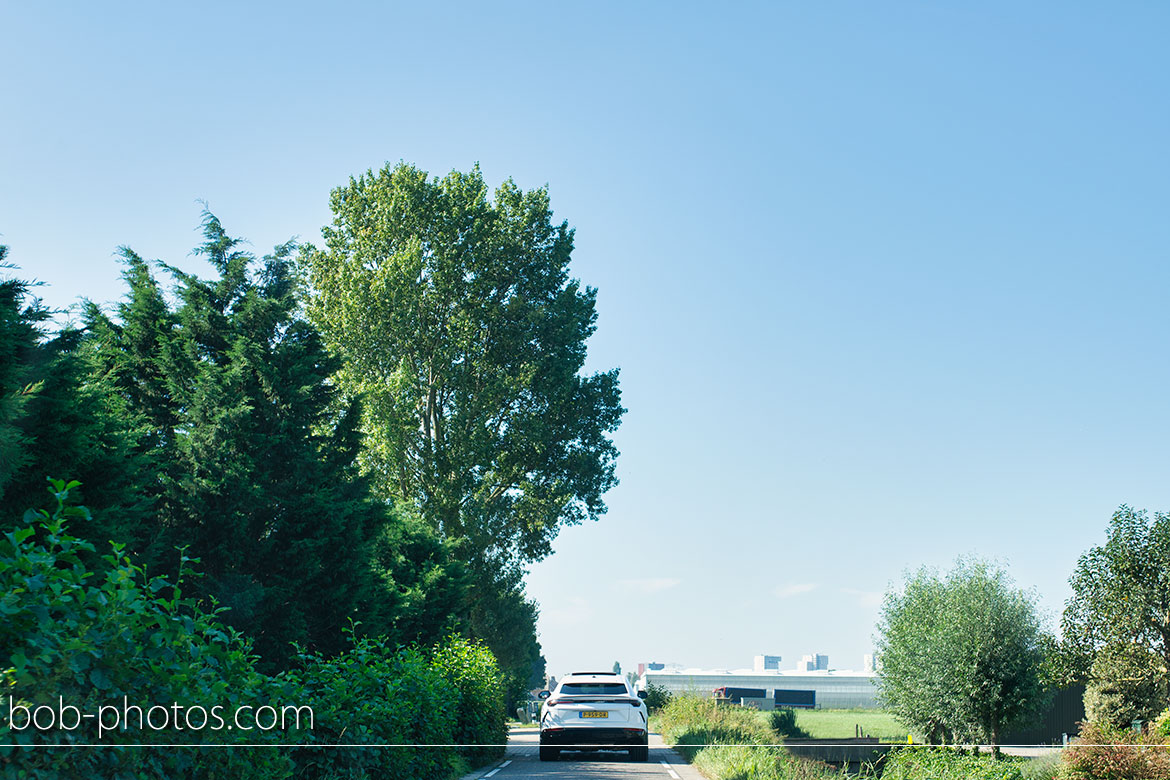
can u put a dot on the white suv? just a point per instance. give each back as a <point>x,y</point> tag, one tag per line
<point>590,711</point>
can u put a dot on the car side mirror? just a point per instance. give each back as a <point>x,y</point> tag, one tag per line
<point>641,694</point>
<point>543,695</point>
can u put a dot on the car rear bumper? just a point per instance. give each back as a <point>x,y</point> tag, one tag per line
<point>592,737</point>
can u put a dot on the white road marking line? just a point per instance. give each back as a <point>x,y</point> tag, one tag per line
<point>668,769</point>
<point>497,769</point>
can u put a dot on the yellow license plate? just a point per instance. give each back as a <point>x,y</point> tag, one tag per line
<point>594,714</point>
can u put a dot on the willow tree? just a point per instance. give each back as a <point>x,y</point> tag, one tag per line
<point>459,326</point>
<point>962,655</point>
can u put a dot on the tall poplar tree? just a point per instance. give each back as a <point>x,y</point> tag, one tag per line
<point>464,335</point>
<point>459,325</point>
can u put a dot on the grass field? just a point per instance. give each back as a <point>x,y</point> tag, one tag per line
<point>840,724</point>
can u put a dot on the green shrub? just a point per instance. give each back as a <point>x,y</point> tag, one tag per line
<point>1161,726</point>
<point>70,636</point>
<point>656,697</point>
<point>784,723</point>
<point>479,712</point>
<point>739,763</point>
<point>374,694</point>
<point>89,639</point>
<point>1106,753</point>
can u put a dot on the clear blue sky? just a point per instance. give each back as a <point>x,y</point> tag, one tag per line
<point>886,282</point>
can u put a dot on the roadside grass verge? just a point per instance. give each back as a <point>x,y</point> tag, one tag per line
<point>731,743</point>
<point>949,764</point>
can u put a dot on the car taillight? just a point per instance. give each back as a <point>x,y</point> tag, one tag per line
<point>634,702</point>
<point>553,702</point>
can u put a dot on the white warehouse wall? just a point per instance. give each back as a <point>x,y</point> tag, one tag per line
<point>835,690</point>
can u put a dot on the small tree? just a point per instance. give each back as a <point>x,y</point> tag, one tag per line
<point>961,655</point>
<point>1121,599</point>
<point>1126,682</point>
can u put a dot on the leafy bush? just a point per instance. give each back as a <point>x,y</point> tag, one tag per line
<point>66,641</point>
<point>1103,752</point>
<point>784,723</point>
<point>656,696</point>
<point>479,711</point>
<point>378,695</point>
<point>1161,726</point>
<point>88,640</point>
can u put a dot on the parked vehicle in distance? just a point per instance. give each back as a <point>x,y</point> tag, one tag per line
<point>593,711</point>
<point>797,699</point>
<point>734,695</point>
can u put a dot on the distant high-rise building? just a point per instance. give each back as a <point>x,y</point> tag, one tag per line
<point>655,667</point>
<point>766,663</point>
<point>813,663</point>
<point>868,661</point>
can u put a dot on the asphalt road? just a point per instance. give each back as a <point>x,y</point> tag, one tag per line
<point>521,761</point>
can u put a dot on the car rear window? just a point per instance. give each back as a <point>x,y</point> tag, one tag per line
<point>593,689</point>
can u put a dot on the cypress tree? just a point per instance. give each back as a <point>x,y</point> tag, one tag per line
<point>253,446</point>
<point>60,418</point>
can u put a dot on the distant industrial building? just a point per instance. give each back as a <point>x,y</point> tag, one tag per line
<point>870,663</point>
<point>766,663</point>
<point>828,689</point>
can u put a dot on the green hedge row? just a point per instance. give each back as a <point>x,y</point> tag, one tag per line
<point>75,638</point>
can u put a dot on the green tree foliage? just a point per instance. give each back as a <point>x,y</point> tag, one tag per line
<point>59,416</point>
<point>1126,682</point>
<point>1121,599</point>
<point>961,655</point>
<point>464,336</point>
<point>228,392</point>
<point>460,327</point>
<point>20,337</point>
<point>426,589</point>
<point>503,617</point>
